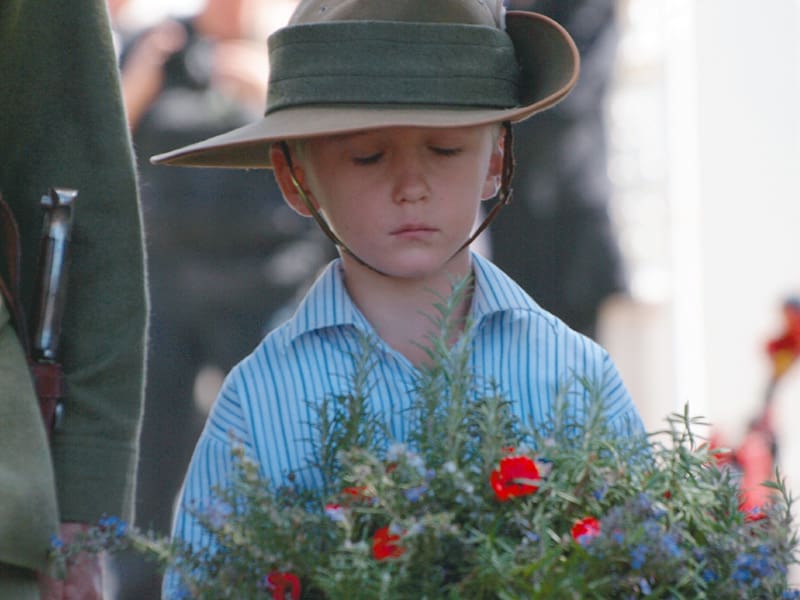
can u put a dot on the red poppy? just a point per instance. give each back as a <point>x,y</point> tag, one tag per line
<point>356,493</point>
<point>585,530</point>
<point>514,477</point>
<point>384,545</point>
<point>283,583</point>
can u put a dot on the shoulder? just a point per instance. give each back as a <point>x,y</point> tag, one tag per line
<point>250,383</point>
<point>508,321</point>
<point>499,298</point>
<point>287,359</point>
<point>536,358</point>
<point>264,362</point>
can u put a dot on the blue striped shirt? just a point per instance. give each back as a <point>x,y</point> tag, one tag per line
<point>266,400</point>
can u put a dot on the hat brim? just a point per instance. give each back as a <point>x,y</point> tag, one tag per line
<point>549,65</point>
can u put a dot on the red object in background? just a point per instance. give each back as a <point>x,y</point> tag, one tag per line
<point>756,459</point>
<point>756,455</point>
<point>784,350</point>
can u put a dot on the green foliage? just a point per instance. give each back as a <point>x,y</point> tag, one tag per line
<point>422,520</point>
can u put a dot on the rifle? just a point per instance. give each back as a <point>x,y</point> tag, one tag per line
<point>42,347</point>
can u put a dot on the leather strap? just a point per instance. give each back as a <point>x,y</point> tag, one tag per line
<point>48,377</point>
<point>11,288</point>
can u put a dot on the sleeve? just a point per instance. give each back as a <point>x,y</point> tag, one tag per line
<point>62,125</point>
<point>590,375</point>
<point>621,410</point>
<point>210,469</point>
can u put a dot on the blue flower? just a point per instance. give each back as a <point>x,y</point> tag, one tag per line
<point>762,567</point>
<point>107,522</point>
<point>638,556</point>
<point>742,575</point>
<point>699,554</point>
<point>659,512</point>
<point>217,513</point>
<point>119,527</point>
<point>600,493</point>
<point>56,542</point>
<point>415,462</point>
<point>644,586</point>
<point>415,493</point>
<point>532,536</point>
<point>335,512</point>
<point>670,544</point>
<point>643,502</point>
<point>652,528</point>
<point>395,452</point>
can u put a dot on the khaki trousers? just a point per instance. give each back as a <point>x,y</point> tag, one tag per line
<point>28,510</point>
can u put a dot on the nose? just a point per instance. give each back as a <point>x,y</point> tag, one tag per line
<point>409,180</point>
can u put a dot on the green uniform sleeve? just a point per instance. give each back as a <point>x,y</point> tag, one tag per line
<point>62,125</point>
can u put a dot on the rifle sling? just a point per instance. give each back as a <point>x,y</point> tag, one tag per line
<point>48,377</point>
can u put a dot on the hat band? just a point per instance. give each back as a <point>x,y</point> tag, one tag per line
<point>386,63</point>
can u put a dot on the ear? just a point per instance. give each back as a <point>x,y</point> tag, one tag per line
<point>283,175</point>
<point>491,184</point>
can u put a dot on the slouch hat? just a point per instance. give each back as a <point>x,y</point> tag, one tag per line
<point>342,66</point>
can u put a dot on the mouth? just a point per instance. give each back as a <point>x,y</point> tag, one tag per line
<point>411,229</point>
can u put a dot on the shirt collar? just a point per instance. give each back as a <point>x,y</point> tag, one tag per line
<point>496,292</point>
<point>327,303</point>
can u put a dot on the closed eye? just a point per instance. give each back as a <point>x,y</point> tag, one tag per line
<point>368,160</point>
<point>445,151</point>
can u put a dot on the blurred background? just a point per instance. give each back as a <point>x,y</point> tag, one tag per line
<point>695,162</point>
<point>705,165</point>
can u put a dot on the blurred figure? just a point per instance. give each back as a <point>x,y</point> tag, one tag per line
<point>224,251</point>
<point>558,241</point>
<point>756,455</point>
<point>121,27</point>
<point>784,350</point>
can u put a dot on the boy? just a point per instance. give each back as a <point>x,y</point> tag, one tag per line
<point>388,122</point>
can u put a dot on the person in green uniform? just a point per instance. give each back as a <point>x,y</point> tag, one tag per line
<point>62,125</point>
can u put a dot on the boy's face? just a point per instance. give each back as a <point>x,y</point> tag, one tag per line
<point>403,199</point>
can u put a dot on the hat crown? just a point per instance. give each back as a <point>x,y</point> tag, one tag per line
<point>472,12</point>
<point>342,66</point>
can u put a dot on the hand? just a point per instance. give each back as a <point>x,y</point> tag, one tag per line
<point>84,580</point>
<point>143,75</point>
<point>240,69</point>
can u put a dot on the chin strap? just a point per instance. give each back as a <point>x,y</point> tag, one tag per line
<point>317,216</point>
<point>505,192</point>
<point>503,199</point>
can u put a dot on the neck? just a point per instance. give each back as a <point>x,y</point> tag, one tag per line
<point>403,310</point>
